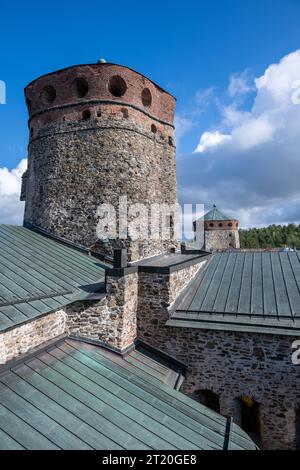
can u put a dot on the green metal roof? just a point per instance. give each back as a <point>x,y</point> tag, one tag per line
<point>244,291</point>
<point>215,214</point>
<point>75,395</point>
<point>39,275</point>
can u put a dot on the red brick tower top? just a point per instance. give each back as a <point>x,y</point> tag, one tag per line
<point>54,96</point>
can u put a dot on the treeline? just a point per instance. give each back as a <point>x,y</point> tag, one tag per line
<point>273,236</point>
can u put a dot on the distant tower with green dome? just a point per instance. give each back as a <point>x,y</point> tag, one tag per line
<point>220,231</point>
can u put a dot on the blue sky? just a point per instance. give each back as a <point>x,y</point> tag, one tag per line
<point>193,48</point>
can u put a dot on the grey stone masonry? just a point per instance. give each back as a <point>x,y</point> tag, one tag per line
<point>228,363</point>
<point>221,239</point>
<point>25,337</point>
<point>111,320</point>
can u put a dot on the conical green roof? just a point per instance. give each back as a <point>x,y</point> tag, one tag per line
<point>215,214</point>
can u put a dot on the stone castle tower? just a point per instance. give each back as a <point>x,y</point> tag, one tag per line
<point>97,132</point>
<point>220,231</point>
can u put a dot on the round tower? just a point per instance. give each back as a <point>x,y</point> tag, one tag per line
<point>97,132</point>
<point>220,231</point>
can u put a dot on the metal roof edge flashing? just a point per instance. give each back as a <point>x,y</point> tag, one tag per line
<point>104,345</point>
<point>175,267</point>
<point>178,365</point>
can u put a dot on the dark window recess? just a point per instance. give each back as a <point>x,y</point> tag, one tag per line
<point>250,421</point>
<point>81,87</point>
<point>48,94</point>
<point>170,141</point>
<point>230,234</point>
<point>211,224</point>
<point>146,97</point>
<point>117,86</point>
<point>86,115</point>
<point>99,113</point>
<point>220,225</point>
<point>125,113</point>
<point>170,221</point>
<point>153,128</point>
<point>230,224</point>
<point>209,399</point>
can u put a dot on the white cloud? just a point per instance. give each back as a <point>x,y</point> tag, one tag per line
<point>11,208</point>
<point>210,140</point>
<point>250,163</point>
<point>240,84</point>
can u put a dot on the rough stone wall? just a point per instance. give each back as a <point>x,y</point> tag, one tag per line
<point>221,239</point>
<point>111,320</point>
<point>231,364</point>
<point>75,163</point>
<point>156,294</point>
<point>178,280</point>
<point>30,335</point>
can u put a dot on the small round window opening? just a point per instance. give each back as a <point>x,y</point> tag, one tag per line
<point>220,225</point>
<point>81,87</point>
<point>153,128</point>
<point>211,224</point>
<point>86,115</point>
<point>48,94</point>
<point>146,97</point>
<point>117,86</point>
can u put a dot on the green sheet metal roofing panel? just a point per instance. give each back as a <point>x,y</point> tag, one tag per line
<point>215,214</point>
<point>249,291</point>
<point>39,275</point>
<point>75,395</point>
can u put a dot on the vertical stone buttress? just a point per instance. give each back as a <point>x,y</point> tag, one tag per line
<point>97,132</point>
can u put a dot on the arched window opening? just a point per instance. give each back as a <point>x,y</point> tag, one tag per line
<point>153,128</point>
<point>209,399</point>
<point>250,417</point>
